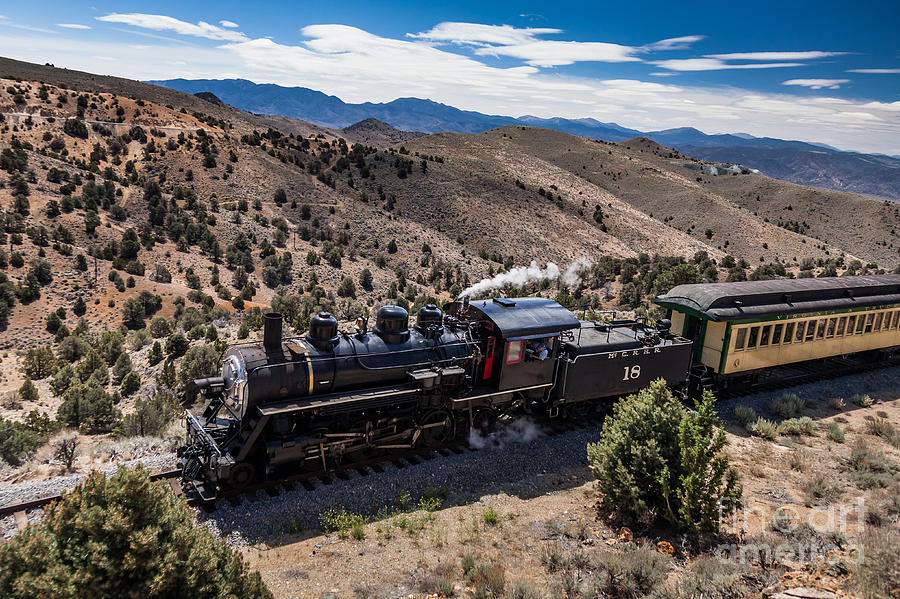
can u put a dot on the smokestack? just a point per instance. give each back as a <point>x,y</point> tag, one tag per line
<point>272,331</point>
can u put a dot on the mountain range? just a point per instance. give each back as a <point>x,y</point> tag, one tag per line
<point>796,161</point>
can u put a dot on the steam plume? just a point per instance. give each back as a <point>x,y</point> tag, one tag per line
<point>570,276</point>
<point>520,430</point>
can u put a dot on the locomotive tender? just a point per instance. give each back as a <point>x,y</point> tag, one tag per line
<point>310,402</point>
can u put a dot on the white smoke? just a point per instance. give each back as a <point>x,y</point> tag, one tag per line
<point>532,273</point>
<point>520,430</point>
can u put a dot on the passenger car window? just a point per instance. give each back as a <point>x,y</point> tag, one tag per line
<point>754,337</point>
<point>851,324</point>
<point>514,352</point>
<point>776,334</point>
<point>765,335</point>
<point>832,323</point>
<point>878,318</point>
<point>896,319</point>
<point>842,323</point>
<point>860,323</point>
<point>820,331</point>
<point>789,332</point>
<point>869,319</point>
<point>740,339</point>
<point>810,330</point>
<point>801,326</point>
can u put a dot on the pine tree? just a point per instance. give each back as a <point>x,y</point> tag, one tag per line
<point>708,487</point>
<point>122,536</point>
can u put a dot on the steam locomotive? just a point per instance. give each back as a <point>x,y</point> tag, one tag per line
<point>284,405</point>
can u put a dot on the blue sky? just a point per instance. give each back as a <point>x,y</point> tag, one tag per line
<point>818,71</point>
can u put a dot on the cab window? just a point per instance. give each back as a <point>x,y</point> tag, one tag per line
<point>514,352</point>
<point>740,339</point>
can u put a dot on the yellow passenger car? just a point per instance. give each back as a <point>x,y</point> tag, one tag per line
<point>745,327</point>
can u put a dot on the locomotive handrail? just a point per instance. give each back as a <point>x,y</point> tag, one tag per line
<point>384,353</point>
<point>671,343</point>
<point>200,431</point>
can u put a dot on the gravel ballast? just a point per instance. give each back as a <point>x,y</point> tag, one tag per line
<point>524,462</point>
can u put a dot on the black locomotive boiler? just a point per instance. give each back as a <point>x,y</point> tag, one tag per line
<point>284,405</point>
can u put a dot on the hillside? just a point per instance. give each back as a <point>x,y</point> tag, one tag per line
<point>796,161</point>
<point>145,228</point>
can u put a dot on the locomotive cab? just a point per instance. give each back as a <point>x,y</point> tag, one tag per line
<point>519,341</point>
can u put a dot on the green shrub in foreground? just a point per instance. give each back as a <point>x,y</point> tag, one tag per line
<point>655,460</point>
<point>122,536</point>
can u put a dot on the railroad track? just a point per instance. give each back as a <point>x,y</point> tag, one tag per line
<point>311,479</point>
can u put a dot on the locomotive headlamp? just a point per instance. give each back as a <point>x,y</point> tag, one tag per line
<point>233,372</point>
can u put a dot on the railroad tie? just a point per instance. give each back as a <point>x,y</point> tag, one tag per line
<point>21,520</point>
<point>175,485</point>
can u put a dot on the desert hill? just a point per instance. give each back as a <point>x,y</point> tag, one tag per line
<point>800,162</point>
<point>372,132</point>
<point>466,202</point>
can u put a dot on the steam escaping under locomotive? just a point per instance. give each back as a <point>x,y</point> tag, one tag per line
<point>311,402</point>
<point>284,405</point>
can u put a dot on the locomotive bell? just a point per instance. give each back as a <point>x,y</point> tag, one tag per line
<point>323,330</point>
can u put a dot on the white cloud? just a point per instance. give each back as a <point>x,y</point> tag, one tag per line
<point>229,24</point>
<point>505,40</point>
<point>810,55</point>
<point>714,64</point>
<point>359,66</point>
<point>72,26</point>
<point>875,71</point>
<point>478,34</point>
<point>5,22</point>
<point>817,83</point>
<point>548,53</point>
<point>674,43</point>
<point>164,23</point>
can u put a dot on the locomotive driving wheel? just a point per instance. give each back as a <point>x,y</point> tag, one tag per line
<point>435,428</point>
<point>484,421</point>
<point>242,474</point>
